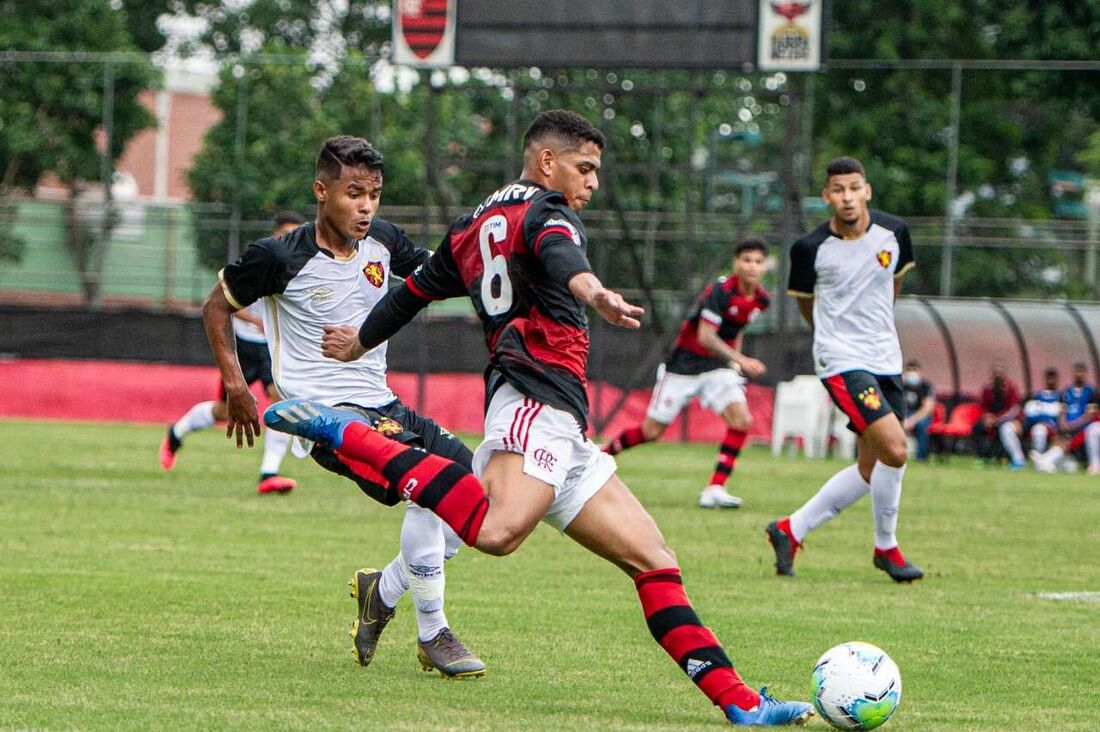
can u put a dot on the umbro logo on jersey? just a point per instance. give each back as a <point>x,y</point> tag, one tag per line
<point>884,258</point>
<point>695,667</point>
<point>321,294</point>
<point>374,273</point>
<point>573,233</point>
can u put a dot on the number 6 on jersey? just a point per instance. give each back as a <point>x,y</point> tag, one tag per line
<point>495,229</point>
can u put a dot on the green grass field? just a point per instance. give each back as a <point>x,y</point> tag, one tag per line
<point>135,599</point>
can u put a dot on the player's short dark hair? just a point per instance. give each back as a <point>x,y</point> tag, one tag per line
<point>843,166</point>
<point>354,152</point>
<point>912,364</point>
<point>284,218</point>
<point>568,129</point>
<point>1050,371</point>
<point>1081,365</point>
<point>750,245</point>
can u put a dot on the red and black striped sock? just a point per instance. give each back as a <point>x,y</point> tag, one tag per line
<point>440,485</point>
<point>628,439</point>
<point>676,627</point>
<point>727,455</point>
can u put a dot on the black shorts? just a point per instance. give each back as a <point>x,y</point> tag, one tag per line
<point>865,397</point>
<point>400,423</point>
<point>255,364</point>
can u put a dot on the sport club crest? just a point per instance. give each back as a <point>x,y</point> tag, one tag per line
<point>870,398</point>
<point>424,32</point>
<point>789,35</point>
<point>388,426</point>
<point>885,258</point>
<point>374,273</point>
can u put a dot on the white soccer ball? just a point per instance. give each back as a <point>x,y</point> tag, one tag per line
<point>856,686</point>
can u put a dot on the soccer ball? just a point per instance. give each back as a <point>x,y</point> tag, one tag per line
<point>856,686</point>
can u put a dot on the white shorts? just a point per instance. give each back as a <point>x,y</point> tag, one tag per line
<point>554,451</point>
<point>716,390</point>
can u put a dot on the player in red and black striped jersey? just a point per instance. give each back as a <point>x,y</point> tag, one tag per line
<point>520,256</point>
<point>707,362</point>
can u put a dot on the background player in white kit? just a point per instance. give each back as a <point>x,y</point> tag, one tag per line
<point>248,328</point>
<point>847,274</point>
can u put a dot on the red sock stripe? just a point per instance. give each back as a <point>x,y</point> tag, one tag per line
<point>362,469</point>
<point>681,641</point>
<point>660,589</point>
<point>845,402</point>
<point>438,484</point>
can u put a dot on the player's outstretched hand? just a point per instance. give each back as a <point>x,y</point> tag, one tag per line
<point>341,342</point>
<point>753,367</point>
<point>615,310</point>
<point>243,419</point>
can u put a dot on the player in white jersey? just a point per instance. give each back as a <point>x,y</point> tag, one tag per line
<point>335,271</point>
<point>846,275</point>
<point>248,329</point>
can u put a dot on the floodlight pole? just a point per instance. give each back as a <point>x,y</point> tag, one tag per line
<point>947,263</point>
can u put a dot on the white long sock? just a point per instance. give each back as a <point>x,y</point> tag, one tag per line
<point>422,548</point>
<point>1092,444</point>
<point>839,492</point>
<point>885,503</point>
<point>1039,435</point>
<point>275,445</point>
<point>1011,442</point>
<point>198,417</point>
<point>1054,455</point>
<point>394,583</point>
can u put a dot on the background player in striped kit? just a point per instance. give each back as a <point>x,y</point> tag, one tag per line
<point>707,363</point>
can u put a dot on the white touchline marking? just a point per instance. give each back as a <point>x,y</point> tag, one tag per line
<point>1070,596</point>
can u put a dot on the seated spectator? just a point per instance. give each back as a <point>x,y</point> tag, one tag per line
<point>1041,415</point>
<point>1000,402</point>
<point>919,404</point>
<point>1079,411</point>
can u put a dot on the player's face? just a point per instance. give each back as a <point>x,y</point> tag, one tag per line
<point>1079,376</point>
<point>749,266</point>
<point>350,202</point>
<point>575,173</point>
<point>848,195</point>
<point>1052,381</point>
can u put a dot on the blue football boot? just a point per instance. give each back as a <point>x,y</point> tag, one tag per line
<point>770,713</point>
<point>311,420</point>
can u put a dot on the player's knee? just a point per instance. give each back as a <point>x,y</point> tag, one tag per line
<point>499,541</point>
<point>652,430</point>
<point>741,422</point>
<point>894,453</point>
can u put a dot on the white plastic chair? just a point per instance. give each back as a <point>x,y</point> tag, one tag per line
<point>801,411</point>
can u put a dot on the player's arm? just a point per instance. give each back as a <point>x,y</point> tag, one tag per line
<point>803,278</point>
<point>611,306</point>
<point>806,307</point>
<point>926,406</point>
<point>708,337</point>
<point>217,314</point>
<point>905,258</point>
<point>436,279</point>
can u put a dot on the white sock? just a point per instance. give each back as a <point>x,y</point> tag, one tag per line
<point>199,417</point>
<point>1039,434</point>
<point>275,445</point>
<point>452,542</point>
<point>422,548</point>
<point>1053,455</point>
<point>394,582</point>
<point>839,492</point>
<point>885,503</point>
<point>1011,442</point>
<point>1092,444</point>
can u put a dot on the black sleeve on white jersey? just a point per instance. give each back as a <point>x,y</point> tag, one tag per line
<point>556,237</point>
<point>264,269</point>
<point>803,275</point>
<point>405,256</point>
<point>905,251</point>
<point>713,303</point>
